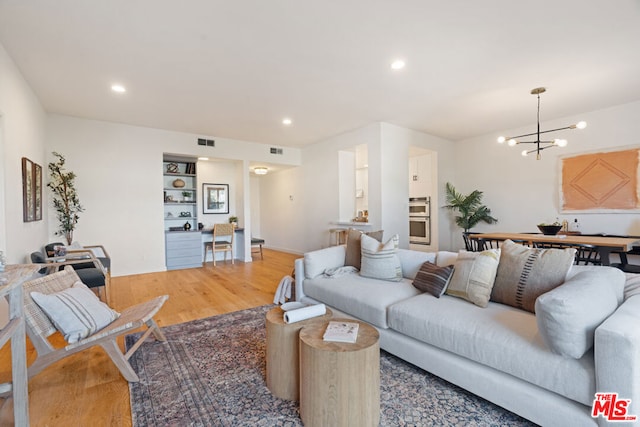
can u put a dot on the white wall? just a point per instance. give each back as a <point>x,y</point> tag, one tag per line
<point>302,224</point>
<point>523,191</point>
<point>119,169</point>
<point>23,127</point>
<point>320,185</point>
<point>398,140</point>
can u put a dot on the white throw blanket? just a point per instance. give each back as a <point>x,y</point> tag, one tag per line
<point>339,271</point>
<point>284,290</point>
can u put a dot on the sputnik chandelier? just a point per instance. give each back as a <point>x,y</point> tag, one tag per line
<point>540,145</point>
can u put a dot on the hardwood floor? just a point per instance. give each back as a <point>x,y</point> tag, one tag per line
<point>86,389</point>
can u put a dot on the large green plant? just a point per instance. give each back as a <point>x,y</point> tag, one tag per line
<point>470,208</point>
<point>65,197</point>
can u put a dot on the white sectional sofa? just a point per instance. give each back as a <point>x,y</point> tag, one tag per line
<point>495,352</point>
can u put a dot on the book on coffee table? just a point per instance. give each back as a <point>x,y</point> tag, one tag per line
<point>341,332</point>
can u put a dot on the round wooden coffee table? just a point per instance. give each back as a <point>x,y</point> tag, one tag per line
<point>282,353</point>
<point>339,382</point>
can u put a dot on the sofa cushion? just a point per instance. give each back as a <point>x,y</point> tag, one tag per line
<point>364,298</point>
<point>474,276</point>
<point>411,261</point>
<point>316,262</point>
<point>568,315</point>
<point>525,273</point>
<point>380,260</point>
<point>433,279</point>
<point>353,254</point>
<point>498,336</point>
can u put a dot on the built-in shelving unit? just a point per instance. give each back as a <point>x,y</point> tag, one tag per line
<point>180,194</point>
<point>183,241</point>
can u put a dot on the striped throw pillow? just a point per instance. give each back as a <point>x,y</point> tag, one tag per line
<point>76,311</point>
<point>380,260</point>
<point>433,279</point>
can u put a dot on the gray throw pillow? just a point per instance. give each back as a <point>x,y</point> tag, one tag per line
<point>433,279</point>
<point>353,253</point>
<point>526,273</point>
<point>380,260</point>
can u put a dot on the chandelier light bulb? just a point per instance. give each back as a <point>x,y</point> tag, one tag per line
<point>524,153</point>
<point>537,140</point>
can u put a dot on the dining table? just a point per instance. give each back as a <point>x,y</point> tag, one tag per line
<point>603,245</point>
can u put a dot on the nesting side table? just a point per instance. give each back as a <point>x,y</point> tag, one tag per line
<point>339,382</point>
<point>283,377</point>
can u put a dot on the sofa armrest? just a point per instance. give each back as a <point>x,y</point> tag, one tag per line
<point>617,354</point>
<point>298,268</point>
<point>316,262</point>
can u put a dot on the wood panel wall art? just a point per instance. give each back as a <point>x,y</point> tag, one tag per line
<point>31,191</point>
<point>603,182</point>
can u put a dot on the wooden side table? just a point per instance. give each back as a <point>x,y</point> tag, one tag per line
<point>339,382</point>
<point>283,376</point>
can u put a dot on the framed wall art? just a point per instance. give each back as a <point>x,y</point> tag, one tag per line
<point>215,198</point>
<point>601,182</point>
<point>31,191</point>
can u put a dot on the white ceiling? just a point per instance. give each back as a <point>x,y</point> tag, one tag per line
<point>234,69</point>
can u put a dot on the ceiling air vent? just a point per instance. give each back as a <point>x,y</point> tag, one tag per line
<point>206,142</point>
<point>274,150</point>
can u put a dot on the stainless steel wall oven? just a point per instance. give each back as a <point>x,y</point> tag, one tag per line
<point>420,220</point>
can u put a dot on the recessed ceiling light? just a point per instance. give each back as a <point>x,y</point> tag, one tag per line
<point>398,64</point>
<point>203,158</point>
<point>118,88</point>
<point>286,121</point>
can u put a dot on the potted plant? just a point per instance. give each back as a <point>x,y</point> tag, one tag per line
<point>470,208</point>
<point>65,197</point>
<point>186,196</point>
<point>233,220</point>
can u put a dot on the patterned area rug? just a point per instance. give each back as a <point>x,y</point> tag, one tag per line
<point>212,373</point>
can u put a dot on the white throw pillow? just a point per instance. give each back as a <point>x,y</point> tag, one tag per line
<point>473,276</point>
<point>76,311</point>
<point>568,315</point>
<point>380,260</point>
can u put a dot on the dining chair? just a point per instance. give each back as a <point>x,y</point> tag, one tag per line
<point>223,236</point>
<point>585,254</point>
<point>472,245</point>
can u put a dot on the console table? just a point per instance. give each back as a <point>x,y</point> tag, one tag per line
<point>14,331</point>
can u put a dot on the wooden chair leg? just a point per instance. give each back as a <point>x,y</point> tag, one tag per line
<point>112,349</point>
